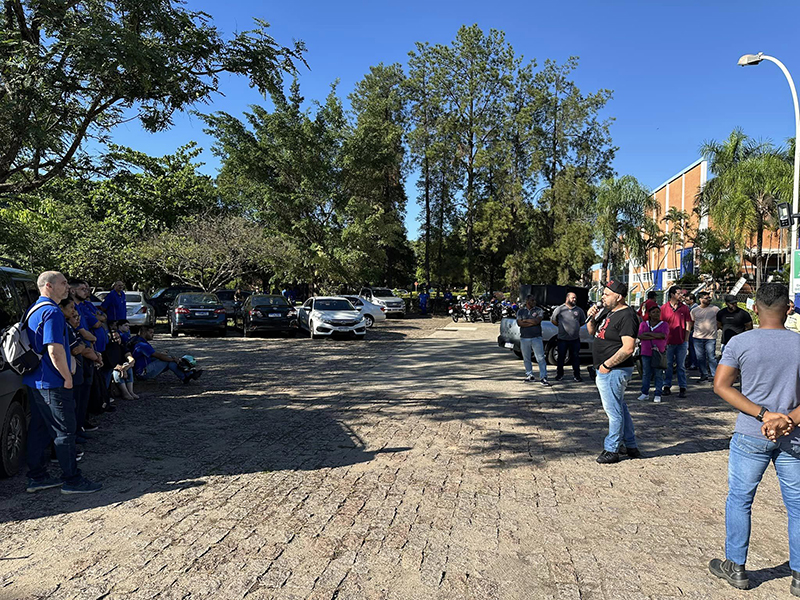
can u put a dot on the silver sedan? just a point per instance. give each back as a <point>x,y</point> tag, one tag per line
<point>372,312</point>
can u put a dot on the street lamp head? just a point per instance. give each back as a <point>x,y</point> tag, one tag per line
<point>750,59</point>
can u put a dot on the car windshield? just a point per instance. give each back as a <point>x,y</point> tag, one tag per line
<point>333,305</point>
<point>382,292</point>
<point>205,299</point>
<point>133,297</point>
<point>269,301</point>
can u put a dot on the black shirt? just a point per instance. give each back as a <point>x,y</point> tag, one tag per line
<point>114,355</point>
<point>612,327</point>
<point>733,323</point>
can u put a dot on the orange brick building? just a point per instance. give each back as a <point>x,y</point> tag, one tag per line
<point>677,256</point>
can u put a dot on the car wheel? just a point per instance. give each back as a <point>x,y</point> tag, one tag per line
<point>552,355</point>
<point>13,439</point>
<point>172,330</point>
<point>369,320</point>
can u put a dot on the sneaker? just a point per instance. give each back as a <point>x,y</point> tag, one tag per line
<point>45,483</point>
<point>666,391</point>
<point>82,486</point>
<point>633,453</point>
<point>577,379</point>
<point>544,382</point>
<point>196,374</point>
<point>643,397</point>
<point>110,408</point>
<point>703,377</point>
<point>529,379</point>
<point>607,458</point>
<point>657,400</point>
<point>731,572</point>
<point>795,587</point>
<point>89,426</point>
<point>682,393</point>
<point>559,377</point>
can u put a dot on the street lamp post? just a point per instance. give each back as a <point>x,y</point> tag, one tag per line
<point>754,59</point>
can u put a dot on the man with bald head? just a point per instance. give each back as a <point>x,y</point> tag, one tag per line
<point>114,304</point>
<point>50,394</point>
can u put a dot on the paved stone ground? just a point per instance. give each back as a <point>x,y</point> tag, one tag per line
<point>414,465</point>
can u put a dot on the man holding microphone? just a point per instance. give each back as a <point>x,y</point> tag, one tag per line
<point>614,328</point>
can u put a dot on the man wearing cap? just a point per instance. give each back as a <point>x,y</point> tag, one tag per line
<point>679,318</point>
<point>732,320</point>
<point>614,328</point>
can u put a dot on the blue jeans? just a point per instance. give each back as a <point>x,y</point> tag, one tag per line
<point>648,372</point>
<point>676,353</point>
<point>157,367</point>
<point>119,378</point>
<point>52,422</point>
<point>535,346</point>
<point>749,458</point>
<point>612,393</point>
<point>706,351</point>
<point>574,347</point>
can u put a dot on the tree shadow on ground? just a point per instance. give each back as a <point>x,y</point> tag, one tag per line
<point>265,406</point>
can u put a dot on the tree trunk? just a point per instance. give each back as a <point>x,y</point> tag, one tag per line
<point>427,220</point>
<point>443,196</point>
<point>759,249</point>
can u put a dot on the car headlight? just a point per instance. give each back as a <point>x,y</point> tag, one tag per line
<point>325,320</point>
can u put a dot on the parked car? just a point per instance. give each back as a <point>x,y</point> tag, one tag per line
<point>139,311</point>
<point>509,338</point>
<point>197,312</point>
<point>163,298</point>
<point>401,292</point>
<point>331,315</point>
<point>266,312</point>
<point>372,313</point>
<point>18,292</point>
<point>232,307</point>
<point>386,298</point>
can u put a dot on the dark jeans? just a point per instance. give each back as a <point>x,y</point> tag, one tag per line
<point>82,393</point>
<point>52,422</point>
<point>574,347</point>
<point>692,354</point>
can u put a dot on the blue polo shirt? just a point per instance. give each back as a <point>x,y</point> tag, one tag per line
<point>115,306</point>
<point>47,326</point>
<point>143,355</point>
<point>87,312</point>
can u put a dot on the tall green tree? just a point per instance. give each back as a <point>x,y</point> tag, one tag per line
<point>751,178</point>
<point>73,70</point>
<point>622,207</point>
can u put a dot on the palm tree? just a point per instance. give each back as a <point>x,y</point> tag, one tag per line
<point>639,245</point>
<point>750,179</point>
<point>622,208</point>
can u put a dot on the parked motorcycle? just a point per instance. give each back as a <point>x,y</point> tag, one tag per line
<point>456,311</point>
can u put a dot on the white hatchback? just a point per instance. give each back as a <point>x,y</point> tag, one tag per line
<point>326,316</point>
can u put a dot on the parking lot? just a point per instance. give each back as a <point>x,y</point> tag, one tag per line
<point>412,465</point>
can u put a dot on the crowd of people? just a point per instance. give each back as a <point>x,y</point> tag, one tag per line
<point>88,356</point>
<point>758,374</point>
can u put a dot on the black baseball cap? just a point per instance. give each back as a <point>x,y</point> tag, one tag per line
<point>617,287</point>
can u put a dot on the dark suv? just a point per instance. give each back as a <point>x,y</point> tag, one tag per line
<point>17,292</point>
<point>162,299</point>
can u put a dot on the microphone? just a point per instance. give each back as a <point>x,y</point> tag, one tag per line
<point>599,306</point>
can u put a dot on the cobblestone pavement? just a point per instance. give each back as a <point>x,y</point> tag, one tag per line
<point>414,465</point>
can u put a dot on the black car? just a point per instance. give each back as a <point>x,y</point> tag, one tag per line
<point>18,292</point>
<point>266,312</point>
<point>163,298</point>
<point>197,312</point>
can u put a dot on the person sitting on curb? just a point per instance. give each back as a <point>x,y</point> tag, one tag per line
<point>149,364</point>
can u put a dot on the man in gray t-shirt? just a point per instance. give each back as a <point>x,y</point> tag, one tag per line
<point>569,318</point>
<point>768,360</point>
<point>529,319</point>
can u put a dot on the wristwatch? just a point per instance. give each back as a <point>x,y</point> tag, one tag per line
<point>760,415</point>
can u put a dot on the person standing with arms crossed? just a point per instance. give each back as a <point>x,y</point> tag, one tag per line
<point>569,318</point>
<point>768,360</point>
<point>614,329</point>
<point>529,319</point>
<point>679,319</point>
<point>50,393</point>
<point>704,336</point>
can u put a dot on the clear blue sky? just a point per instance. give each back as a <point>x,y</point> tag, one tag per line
<point>671,65</point>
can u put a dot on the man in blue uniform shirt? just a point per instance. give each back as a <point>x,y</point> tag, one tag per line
<point>49,389</point>
<point>114,304</point>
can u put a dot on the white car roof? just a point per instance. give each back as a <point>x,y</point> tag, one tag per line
<point>329,298</point>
